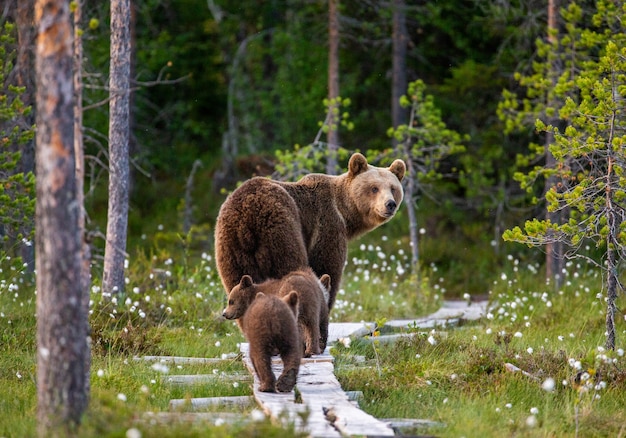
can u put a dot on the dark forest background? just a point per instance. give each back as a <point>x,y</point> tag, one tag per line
<point>207,73</point>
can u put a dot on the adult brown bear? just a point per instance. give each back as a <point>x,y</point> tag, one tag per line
<point>267,228</point>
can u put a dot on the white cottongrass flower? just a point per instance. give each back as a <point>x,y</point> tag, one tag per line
<point>160,367</point>
<point>121,397</point>
<point>508,405</point>
<point>534,411</point>
<point>432,340</point>
<point>219,422</point>
<point>257,415</point>
<point>345,341</point>
<point>530,350</point>
<point>548,384</point>
<point>518,334</point>
<point>133,432</point>
<point>100,373</point>
<point>531,421</point>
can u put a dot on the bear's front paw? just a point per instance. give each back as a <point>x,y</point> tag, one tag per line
<point>287,381</point>
<point>266,388</point>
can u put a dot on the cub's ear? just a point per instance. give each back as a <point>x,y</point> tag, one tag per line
<point>246,281</point>
<point>398,168</point>
<point>291,298</point>
<point>325,280</point>
<point>259,295</point>
<point>357,164</point>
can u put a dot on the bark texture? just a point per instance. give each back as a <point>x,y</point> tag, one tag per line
<point>399,81</point>
<point>333,84</point>
<point>554,248</point>
<point>62,327</point>
<point>117,222</point>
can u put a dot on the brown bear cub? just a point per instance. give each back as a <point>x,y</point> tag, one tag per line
<point>270,325</point>
<point>313,296</point>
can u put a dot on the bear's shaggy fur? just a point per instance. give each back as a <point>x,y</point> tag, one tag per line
<point>267,228</point>
<point>270,325</point>
<point>312,303</point>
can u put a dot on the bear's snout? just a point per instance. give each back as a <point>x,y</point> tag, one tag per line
<point>226,314</point>
<point>391,206</point>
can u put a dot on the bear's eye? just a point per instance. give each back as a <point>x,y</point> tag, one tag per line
<point>231,302</point>
<point>374,189</point>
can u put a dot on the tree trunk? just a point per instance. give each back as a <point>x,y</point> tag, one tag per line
<point>26,78</point>
<point>62,326</point>
<point>79,153</point>
<point>554,258</point>
<point>399,81</point>
<point>333,86</point>
<point>117,221</point>
<point>612,279</point>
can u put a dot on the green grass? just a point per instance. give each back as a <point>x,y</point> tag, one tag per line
<point>455,377</point>
<point>460,379</point>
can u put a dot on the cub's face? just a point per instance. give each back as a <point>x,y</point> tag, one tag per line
<point>240,298</point>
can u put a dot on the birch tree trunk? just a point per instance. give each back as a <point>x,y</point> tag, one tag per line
<point>333,85</point>
<point>117,222</point>
<point>62,326</point>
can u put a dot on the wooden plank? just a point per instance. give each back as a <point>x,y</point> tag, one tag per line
<point>327,408</point>
<point>205,402</point>
<point>321,392</point>
<point>281,407</point>
<point>198,379</point>
<point>450,313</point>
<point>411,423</point>
<point>178,360</point>
<point>338,330</point>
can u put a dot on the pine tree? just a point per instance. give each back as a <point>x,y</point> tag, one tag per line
<point>590,155</point>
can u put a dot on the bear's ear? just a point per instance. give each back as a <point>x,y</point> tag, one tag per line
<point>259,295</point>
<point>398,168</point>
<point>357,164</point>
<point>325,279</point>
<point>291,299</point>
<point>246,281</point>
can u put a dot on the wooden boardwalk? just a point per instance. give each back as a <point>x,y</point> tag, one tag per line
<point>319,406</point>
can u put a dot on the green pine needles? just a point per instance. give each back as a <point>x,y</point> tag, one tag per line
<point>590,158</point>
<point>17,189</point>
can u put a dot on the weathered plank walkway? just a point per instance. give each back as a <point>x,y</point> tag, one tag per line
<point>322,403</point>
<point>319,406</point>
